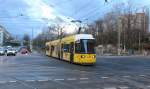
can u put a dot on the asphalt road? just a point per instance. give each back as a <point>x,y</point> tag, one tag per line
<point>36,71</point>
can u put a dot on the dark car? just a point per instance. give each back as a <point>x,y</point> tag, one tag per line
<point>24,51</point>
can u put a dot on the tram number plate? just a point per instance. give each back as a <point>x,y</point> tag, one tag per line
<point>88,56</point>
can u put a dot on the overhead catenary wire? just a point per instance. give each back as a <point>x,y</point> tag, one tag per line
<point>91,12</point>
<point>64,2</point>
<point>76,13</point>
<point>81,8</point>
<point>60,4</point>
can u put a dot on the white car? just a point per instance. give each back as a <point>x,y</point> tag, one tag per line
<point>11,51</point>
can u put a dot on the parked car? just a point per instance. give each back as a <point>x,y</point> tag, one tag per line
<point>11,51</point>
<point>2,51</point>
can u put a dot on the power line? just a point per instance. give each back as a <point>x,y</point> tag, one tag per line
<point>92,11</point>
<point>64,2</point>
<point>61,3</point>
<point>81,8</point>
<point>89,12</point>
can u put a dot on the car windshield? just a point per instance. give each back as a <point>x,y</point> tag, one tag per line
<point>10,49</point>
<point>1,49</point>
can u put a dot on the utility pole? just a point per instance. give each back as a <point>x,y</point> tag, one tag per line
<point>119,33</point>
<point>139,42</point>
<point>124,41</point>
<point>31,41</point>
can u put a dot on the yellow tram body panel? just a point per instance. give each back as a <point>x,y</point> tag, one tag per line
<point>47,49</point>
<point>66,56</point>
<point>68,39</point>
<point>57,52</point>
<point>85,58</point>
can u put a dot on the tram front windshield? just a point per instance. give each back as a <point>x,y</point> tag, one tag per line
<point>85,46</point>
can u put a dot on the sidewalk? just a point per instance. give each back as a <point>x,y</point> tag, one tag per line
<point>122,56</point>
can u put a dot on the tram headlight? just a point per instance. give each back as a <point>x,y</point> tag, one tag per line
<point>94,56</point>
<point>82,56</point>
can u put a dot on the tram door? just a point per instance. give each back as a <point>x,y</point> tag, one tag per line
<point>51,50</point>
<point>71,52</point>
<point>61,51</point>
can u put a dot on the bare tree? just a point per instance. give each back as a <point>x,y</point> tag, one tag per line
<point>26,39</point>
<point>134,26</point>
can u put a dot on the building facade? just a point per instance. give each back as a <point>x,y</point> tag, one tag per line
<point>4,36</point>
<point>138,21</point>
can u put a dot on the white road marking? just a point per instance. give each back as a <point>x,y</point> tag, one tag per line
<point>42,80</point>
<point>71,79</point>
<point>148,86</point>
<point>84,78</point>
<point>142,75</point>
<point>52,67</point>
<point>83,71</point>
<point>30,80</point>
<point>2,81</point>
<point>110,88</point>
<point>58,79</point>
<point>12,81</point>
<point>126,76</point>
<point>125,87</point>
<point>104,77</point>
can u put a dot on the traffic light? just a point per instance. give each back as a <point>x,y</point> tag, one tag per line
<point>106,0</point>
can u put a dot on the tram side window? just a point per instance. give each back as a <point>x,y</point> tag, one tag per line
<point>47,47</point>
<point>77,47</point>
<point>66,47</point>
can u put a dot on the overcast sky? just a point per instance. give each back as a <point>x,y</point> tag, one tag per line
<point>21,16</point>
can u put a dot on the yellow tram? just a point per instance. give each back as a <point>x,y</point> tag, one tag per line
<point>77,48</point>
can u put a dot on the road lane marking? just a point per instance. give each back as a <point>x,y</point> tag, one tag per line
<point>71,79</point>
<point>12,81</point>
<point>30,80</point>
<point>59,79</point>
<point>125,87</point>
<point>84,78</point>
<point>126,76</point>
<point>42,80</point>
<point>104,77</point>
<point>83,71</point>
<point>148,86</point>
<point>52,67</point>
<point>110,88</point>
<point>142,75</point>
<point>2,81</point>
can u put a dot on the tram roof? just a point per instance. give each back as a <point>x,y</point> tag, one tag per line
<point>83,36</point>
<point>75,37</point>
